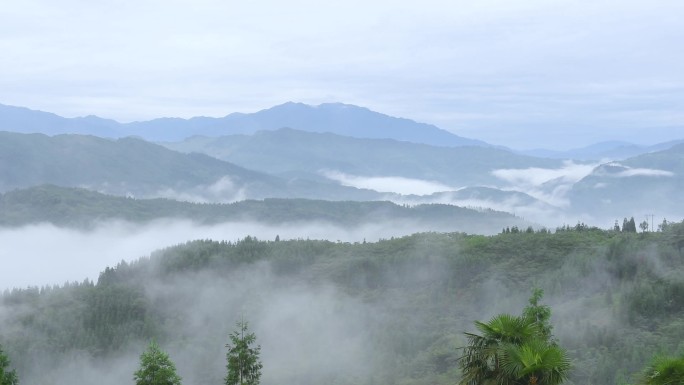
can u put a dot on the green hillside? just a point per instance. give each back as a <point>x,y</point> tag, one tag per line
<point>83,209</point>
<point>391,312</point>
<point>294,152</point>
<point>132,166</point>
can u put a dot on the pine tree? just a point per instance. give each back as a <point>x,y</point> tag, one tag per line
<point>7,376</point>
<point>539,314</point>
<point>156,368</point>
<point>632,225</point>
<point>244,366</point>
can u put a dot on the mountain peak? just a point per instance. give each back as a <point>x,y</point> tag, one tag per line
<point>290,105</point>
<point>338,118</point>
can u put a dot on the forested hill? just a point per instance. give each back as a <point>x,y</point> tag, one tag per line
<point>134,166</point>
<point>296,152</point>
<point>82,208</point>
<point>391,312</point>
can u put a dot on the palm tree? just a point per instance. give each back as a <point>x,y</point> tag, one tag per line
<point>534,362</point>
<point>663,371</point>
<point>481,362</point>
<point>514,350</point>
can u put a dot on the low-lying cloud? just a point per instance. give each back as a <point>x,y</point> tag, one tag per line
<point>534,176</point>
<point>546,184</point>
<point>310,333</point>
<point>389,184</point>
<point>645,172</point>
<point>535,211</point>
<point>627,172</point>
<point>45,254</point>
<point>224,190</point>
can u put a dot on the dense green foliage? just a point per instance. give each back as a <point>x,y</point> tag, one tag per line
<point>84,208</point>
<point>156,368</point>
<point>244,366</point>
<point>663,370</point>
<point>515,350</point>
<point>7,375</point>
<point>618,298</point>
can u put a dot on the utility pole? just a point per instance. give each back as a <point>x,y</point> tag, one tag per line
<point>650,215</point>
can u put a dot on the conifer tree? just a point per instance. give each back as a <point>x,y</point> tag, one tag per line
<point>244,366</point>
<point>631,225</point>
<point>156,368</point>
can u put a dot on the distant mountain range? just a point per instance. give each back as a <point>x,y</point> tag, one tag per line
<point>646,184</point>
<point>338,118</point>
<point>614,150</point>
<point>298,164</point>
<point>258,158</point>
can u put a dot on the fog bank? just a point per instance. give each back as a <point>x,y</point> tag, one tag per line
<point>45,254</point>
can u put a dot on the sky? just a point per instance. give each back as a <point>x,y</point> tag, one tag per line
<point>527,74</point>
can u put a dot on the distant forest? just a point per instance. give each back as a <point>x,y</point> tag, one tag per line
<point>80,208</point>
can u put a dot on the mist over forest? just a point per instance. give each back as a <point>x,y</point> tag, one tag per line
<point>342,192</point>
<point>356,252</point>
<point>391,311</point>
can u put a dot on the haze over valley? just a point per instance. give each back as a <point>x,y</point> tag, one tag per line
<point>102,202</point>
<point>367,193</point>
<point>252,157</point>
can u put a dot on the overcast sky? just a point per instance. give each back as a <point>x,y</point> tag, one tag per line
<point>528,73</point>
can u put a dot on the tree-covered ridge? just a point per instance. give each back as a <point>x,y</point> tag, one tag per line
<point>295,152</point>
<point>82,208</point>
<point>616,299</point>
<point>133,166</point>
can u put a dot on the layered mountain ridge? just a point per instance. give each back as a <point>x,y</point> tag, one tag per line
<point>333,152</point>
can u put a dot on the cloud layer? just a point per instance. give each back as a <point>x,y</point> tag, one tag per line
<point>72,255</point>
<point>547,185</point>
<point>389,184</point>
